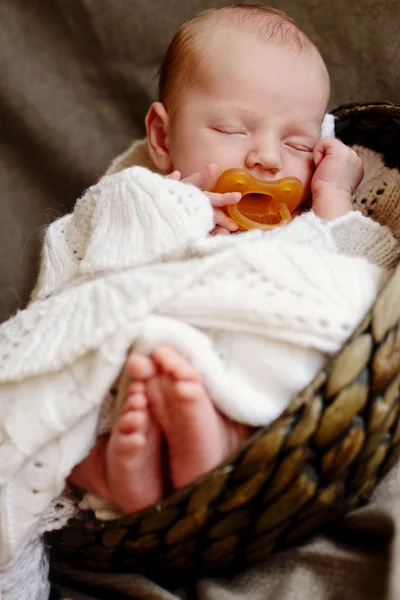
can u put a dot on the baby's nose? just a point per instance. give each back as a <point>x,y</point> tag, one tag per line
<point>266,157</point>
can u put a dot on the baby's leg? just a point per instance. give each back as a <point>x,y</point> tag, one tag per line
<point>199,437</point>
<point>125,467</point>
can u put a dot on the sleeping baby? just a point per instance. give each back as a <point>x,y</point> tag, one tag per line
<point>210,334</point>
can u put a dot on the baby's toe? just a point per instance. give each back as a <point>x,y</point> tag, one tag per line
<point>174,364</point>
<point>139,367</point>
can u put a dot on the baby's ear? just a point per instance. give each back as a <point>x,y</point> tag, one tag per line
<point>157,128</point>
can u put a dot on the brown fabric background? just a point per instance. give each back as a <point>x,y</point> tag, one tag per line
<point>76,77</point>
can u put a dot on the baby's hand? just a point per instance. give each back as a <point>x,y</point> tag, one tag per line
<point>206,180</point>
<point>338,172</point>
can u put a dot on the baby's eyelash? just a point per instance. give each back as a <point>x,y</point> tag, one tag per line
<point>299,147</point>
<point>229,131</point>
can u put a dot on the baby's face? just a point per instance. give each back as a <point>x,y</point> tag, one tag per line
<point>257,107</point>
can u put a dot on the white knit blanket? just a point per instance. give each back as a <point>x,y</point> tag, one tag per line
<point>134,265</point>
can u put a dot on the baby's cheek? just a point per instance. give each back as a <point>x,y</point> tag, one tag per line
<point>308,170</point>
<point>188,157</point>
<point>306,180</point>
<point>302,168</point>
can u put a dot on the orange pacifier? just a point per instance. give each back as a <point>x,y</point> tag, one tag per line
<point>264,204</point>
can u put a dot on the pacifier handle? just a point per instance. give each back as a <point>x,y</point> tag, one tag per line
<point>246,223</point>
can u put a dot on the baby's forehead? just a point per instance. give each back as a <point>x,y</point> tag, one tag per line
<point>265,26</point>
<point>207,49</point>
<point>215,39</point>
<point>243,62</point>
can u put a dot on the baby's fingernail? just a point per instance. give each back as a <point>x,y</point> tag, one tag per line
<point>232,197</point>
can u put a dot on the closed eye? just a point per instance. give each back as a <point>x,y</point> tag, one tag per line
<point>299,147</point>
<point>227,131</point>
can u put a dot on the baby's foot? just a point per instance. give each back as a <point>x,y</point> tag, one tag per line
<point>133,455</point>
<point>198,436</point>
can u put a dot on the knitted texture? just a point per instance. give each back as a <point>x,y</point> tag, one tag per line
<point>227,283</point>
<point>60,356</point>
<point>108,230</point>
<point>378,196</point>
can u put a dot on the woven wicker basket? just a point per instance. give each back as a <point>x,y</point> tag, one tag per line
<point>321,458</point>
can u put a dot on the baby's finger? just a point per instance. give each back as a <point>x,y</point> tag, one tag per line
<point>325,147</point>
<point>219,231</point>
<point>218,200</point>
<point>221,219</point>
<point>203,177</point>
<point>174,175</point>
<point>319,155</point>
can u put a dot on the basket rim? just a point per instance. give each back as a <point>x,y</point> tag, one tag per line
<point>385,108</point>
